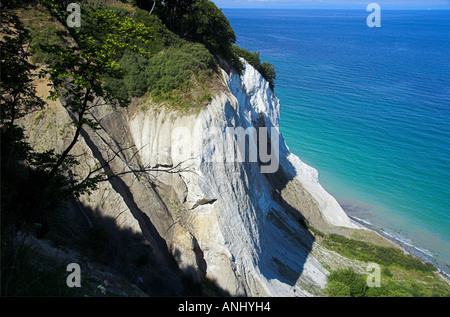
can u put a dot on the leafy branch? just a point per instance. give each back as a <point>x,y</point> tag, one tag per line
<point>77,76</point>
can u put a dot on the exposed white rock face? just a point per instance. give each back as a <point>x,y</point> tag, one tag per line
<point>244,225</point>
<point>217,217</point>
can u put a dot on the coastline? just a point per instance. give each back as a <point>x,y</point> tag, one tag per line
<point>402,245</point>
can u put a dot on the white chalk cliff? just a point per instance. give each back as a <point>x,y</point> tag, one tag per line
<point>222,220</point>
<point>246,223</point>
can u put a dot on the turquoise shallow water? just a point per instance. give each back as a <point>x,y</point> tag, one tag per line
<point>370,109</point>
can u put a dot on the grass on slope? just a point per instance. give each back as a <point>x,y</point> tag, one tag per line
<point>402,275</point>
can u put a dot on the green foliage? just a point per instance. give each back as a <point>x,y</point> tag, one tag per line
<point>201,21</point>
<point>346,282</point>
<point>23,170</point>
<point>337,289</point>
<point>195,20</point>
<point>413,288</point>
<point>173,69</point>
<point>163,63</point>
<point>17,90</point>
<point>207,24</point>
<point>172,13</point>
<point>128,43</point>
<point>44,34</point>
<point>160,36</point>
<point>78,76</point>
<point>401,275</point>
<point>136,79</point>
<point>168,75</point>
<point>387,272</point>
<point>368,252</point>
<point>117,87</point>
<point>251,58</point>
<point>96,45</point>
<point>394,289</point>
<point>266,69</point>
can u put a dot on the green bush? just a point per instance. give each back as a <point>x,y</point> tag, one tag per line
<point>172,70</point>
<point>392,288</point>
<point>252,58</point>
<point>402,275</point>
<point>136,78</point>
<point>266,69</point>
<point>160,36</point>
<point>205,23</point>
<point>387,272</point>
<point>44,34</point>
<point>118,87</point>
<point>346,282</point>
<point>337,289</point>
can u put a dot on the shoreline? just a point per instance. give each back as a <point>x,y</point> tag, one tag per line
<point>402,245</point>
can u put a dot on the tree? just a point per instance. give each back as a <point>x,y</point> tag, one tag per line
<point>171,12</point>
<point>27,191</point>
<point>78,80</point>
<point>175,11</point>
<point>143,4</point>
<point>17,89</point>
<point>205,23</point>
<point>78,75</point>
<point>268,71</point>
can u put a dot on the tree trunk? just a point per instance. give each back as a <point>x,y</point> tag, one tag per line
<point>75,137</point>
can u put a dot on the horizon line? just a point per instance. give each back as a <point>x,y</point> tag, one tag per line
<point>352,9</point>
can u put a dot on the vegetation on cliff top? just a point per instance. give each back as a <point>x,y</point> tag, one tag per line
<point>182,49</point>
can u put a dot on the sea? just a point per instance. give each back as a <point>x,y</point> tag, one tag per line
<point>369,108</point>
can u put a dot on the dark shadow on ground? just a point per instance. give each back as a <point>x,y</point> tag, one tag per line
<point>130,255</point>
<point>120,260</point>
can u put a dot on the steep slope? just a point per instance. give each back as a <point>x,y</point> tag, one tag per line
<point>218,218</point>
<point>246,223</point>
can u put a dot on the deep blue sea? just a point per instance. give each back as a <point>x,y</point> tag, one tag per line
<point>369,108</point>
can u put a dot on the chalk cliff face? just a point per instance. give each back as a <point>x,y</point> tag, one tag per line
<point>246,223</point>
<point>218,218</point>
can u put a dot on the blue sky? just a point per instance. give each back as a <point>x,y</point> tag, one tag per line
<point>334,4</point>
